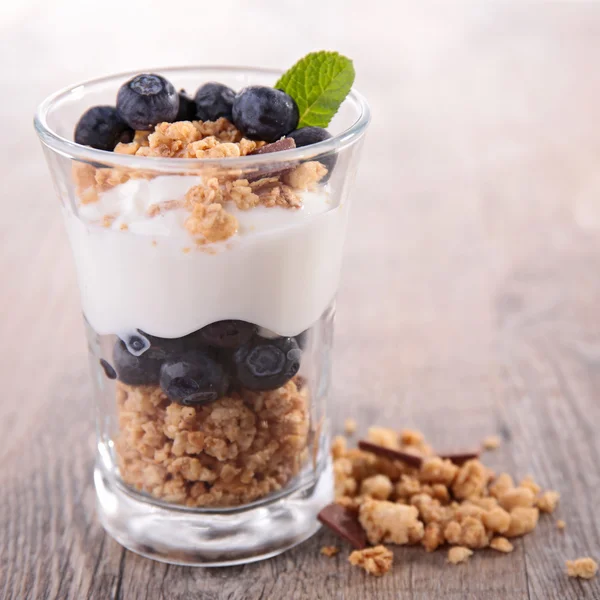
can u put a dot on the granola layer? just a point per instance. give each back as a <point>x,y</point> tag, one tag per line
<point>233,451</point>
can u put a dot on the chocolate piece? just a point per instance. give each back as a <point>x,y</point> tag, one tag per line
<point>344,523</point>
<point>413,460</point>
<point>459,458</point>
<point>278,146</point>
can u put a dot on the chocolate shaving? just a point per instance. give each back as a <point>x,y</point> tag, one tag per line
<point>460,458</point>
<point>413,460</point>
<point>344,523</point>
<point>278,146</point>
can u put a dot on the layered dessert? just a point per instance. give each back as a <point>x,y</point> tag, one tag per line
<point>208,289</point>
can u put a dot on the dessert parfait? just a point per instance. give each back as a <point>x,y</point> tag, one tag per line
<point>208,231</point>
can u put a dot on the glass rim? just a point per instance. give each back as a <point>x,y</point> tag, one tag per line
<point>71,149</point>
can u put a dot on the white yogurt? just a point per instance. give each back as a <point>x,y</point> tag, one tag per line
<point>280,271</point>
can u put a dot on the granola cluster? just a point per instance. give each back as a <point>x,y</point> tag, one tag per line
<point>209,219</point>
<point>585,567</point>
<point>464,505</point>
<point>230,452</point>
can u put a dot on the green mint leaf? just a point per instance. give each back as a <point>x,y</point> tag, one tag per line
<point>318,83</point>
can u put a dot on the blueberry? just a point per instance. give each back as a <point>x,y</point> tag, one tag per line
<point>101,127</point>
<point>305,136</point>
<point>227,334</point>
<point>214,100</point>
<point>263,364</point>
<point>187,108</point>
<point>264,113</point>
<point>146,100</point>
<point>136,370</point>
<point>193,378</point>
<point>108,369</point>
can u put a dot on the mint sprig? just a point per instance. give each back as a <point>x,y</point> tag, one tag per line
<point>318,83</point>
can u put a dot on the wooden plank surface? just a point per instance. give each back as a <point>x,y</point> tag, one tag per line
<point>470,294</point>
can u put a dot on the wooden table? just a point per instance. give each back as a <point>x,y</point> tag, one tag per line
<point>470,296</point>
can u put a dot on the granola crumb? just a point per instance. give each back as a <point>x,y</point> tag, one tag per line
<point>519,496</point>
<point>433,537</point>
<point>585,567</point>
<point>306,175</point>
<point>470,480</point>
<point>389,522</point>
<point>329,550</point>
<point>212,222</point>
<point>350,426</point>
<point>378,487</point>
<point>522,520</point>
<point>501,544</point>
<point>375,561</point>
<point>548,501</point>
<point>338,446</point>
<point>459,554</point>
<point>496,520</point>
<point>560,524</point>
<point>491,442</point>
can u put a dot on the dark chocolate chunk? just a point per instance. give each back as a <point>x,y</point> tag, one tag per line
<point>459,458</point>
<point>273,170</point>
<point>282,144</point>
<point>413,460</point>
<point>344,523</point>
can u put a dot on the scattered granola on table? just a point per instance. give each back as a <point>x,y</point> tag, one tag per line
<point>329,550</point>
<point>401,492</point>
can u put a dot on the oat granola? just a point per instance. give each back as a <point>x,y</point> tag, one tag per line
<point>232,451</point>
<point>436,504</point>
<point>586,567</point>
<point>375,561</point>
<point>459,554</point>
<point>207,202</point>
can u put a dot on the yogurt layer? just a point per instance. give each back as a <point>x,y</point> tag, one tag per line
<point>280,271</point>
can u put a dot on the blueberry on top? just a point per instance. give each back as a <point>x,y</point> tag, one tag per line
<point>264,364</point>
<point>305,136</point>
<point>309,135</point>
<point>193,378</point>
<point>101,127</point>
<point>187,108</point>
<point>214,100</point>
<point>264,113</point>
<point>146,100</point>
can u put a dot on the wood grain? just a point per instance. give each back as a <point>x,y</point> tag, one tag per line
<point>470,294</point>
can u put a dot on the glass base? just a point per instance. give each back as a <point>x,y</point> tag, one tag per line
<point>211,539</point>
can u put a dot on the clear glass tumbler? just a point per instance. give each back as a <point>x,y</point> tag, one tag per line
<point>209,328</point>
